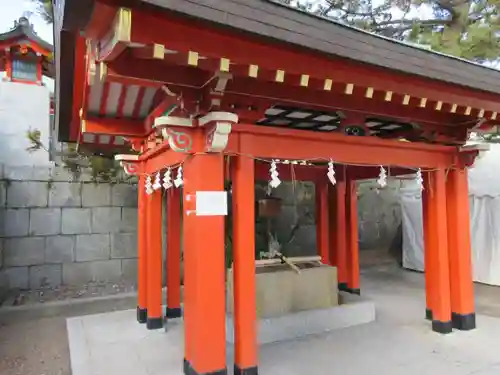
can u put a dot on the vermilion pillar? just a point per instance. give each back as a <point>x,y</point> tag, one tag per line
<point>337,223</point>
<point>459,248</point>
<point>245,310</point>
<point>352,237</point>
<point>427,225</point>
<point>439,275</point>
<point>141,252</point>
<point>204,268</point>
<point>173,261</point>
<point>322,226</point>
<point>154,260</point>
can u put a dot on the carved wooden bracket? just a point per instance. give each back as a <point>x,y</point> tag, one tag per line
<point>129,163</point>
<point>178,140</point>
<point>218,126</point>
<point>469,153</point>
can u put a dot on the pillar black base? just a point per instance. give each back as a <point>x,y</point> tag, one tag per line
<point>173,313</point>
<point>464,322</point>
<point>442,327</point>
<point>343,287</point>
<point>142,315</point>
<point>428,314</point>
<point>246,371</point>
<point>354,291</point>
<point>154,323</point>
<point>189,370</point>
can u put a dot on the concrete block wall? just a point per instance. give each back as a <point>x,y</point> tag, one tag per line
<point>55,231</point>
<point>379,214</point>
<point>58,231</point>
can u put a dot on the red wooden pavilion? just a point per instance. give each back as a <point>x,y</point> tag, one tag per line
<point>24,56</point>
<point>204,91</point>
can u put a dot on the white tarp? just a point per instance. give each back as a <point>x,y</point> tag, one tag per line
<point>484,198</point>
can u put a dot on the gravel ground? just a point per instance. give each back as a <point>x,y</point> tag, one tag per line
<point>35,348</point>
<point>64,293</point>
<point>40,347</point>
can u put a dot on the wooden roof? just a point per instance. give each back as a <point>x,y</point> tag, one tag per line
<point>279,24</point>
<point>23,33</point>
<point>282,23</point>
<point>23,30</point>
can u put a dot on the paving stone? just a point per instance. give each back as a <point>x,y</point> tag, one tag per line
<point>124,195</point>
<point>16,222</point>
<point>96,195</point>
<point>129,269</point>
<point>27,194</point>
<point>123,245</point>
<point>106,219</point>
<point>44,276</point>
<point>17,277</point>
<point>129,220</point>
<point>28,251</point>
<point>92,247</point>
<point>76,221</point>
<point>60,249</point>
<point>65,194</point>
<point>45,221</point>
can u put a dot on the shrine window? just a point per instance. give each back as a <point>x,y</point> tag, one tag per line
<point>24,70</point>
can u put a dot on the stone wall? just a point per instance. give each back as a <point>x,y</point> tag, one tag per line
<point>59,231</point>
<point>379,215</point>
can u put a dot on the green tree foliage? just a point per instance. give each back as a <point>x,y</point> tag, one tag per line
<point>45,9</point>
<point>468,29</point>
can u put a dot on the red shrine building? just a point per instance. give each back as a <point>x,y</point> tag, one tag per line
<point>26,102</point>
<point>25,57</point>
<point>204,93</point>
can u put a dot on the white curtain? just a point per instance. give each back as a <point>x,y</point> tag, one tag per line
<point>484,198</point>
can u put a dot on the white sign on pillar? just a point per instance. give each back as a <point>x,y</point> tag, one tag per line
<point>211,203</point>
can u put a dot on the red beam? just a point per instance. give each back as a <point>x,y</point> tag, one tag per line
<point>154,71</point>
<point>162,157</point>
<point>120,127</point>
<point>265,93</point>
<point>300,173</point>
<point>185,35</point>
<point>100,20</point>
<point>313,172</point>
<point>262,94</point>
<point>260,141</point>
<point>166,102</point>
<point>79,83</point>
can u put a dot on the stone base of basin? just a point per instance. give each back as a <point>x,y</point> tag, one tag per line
<point>353,310</point>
